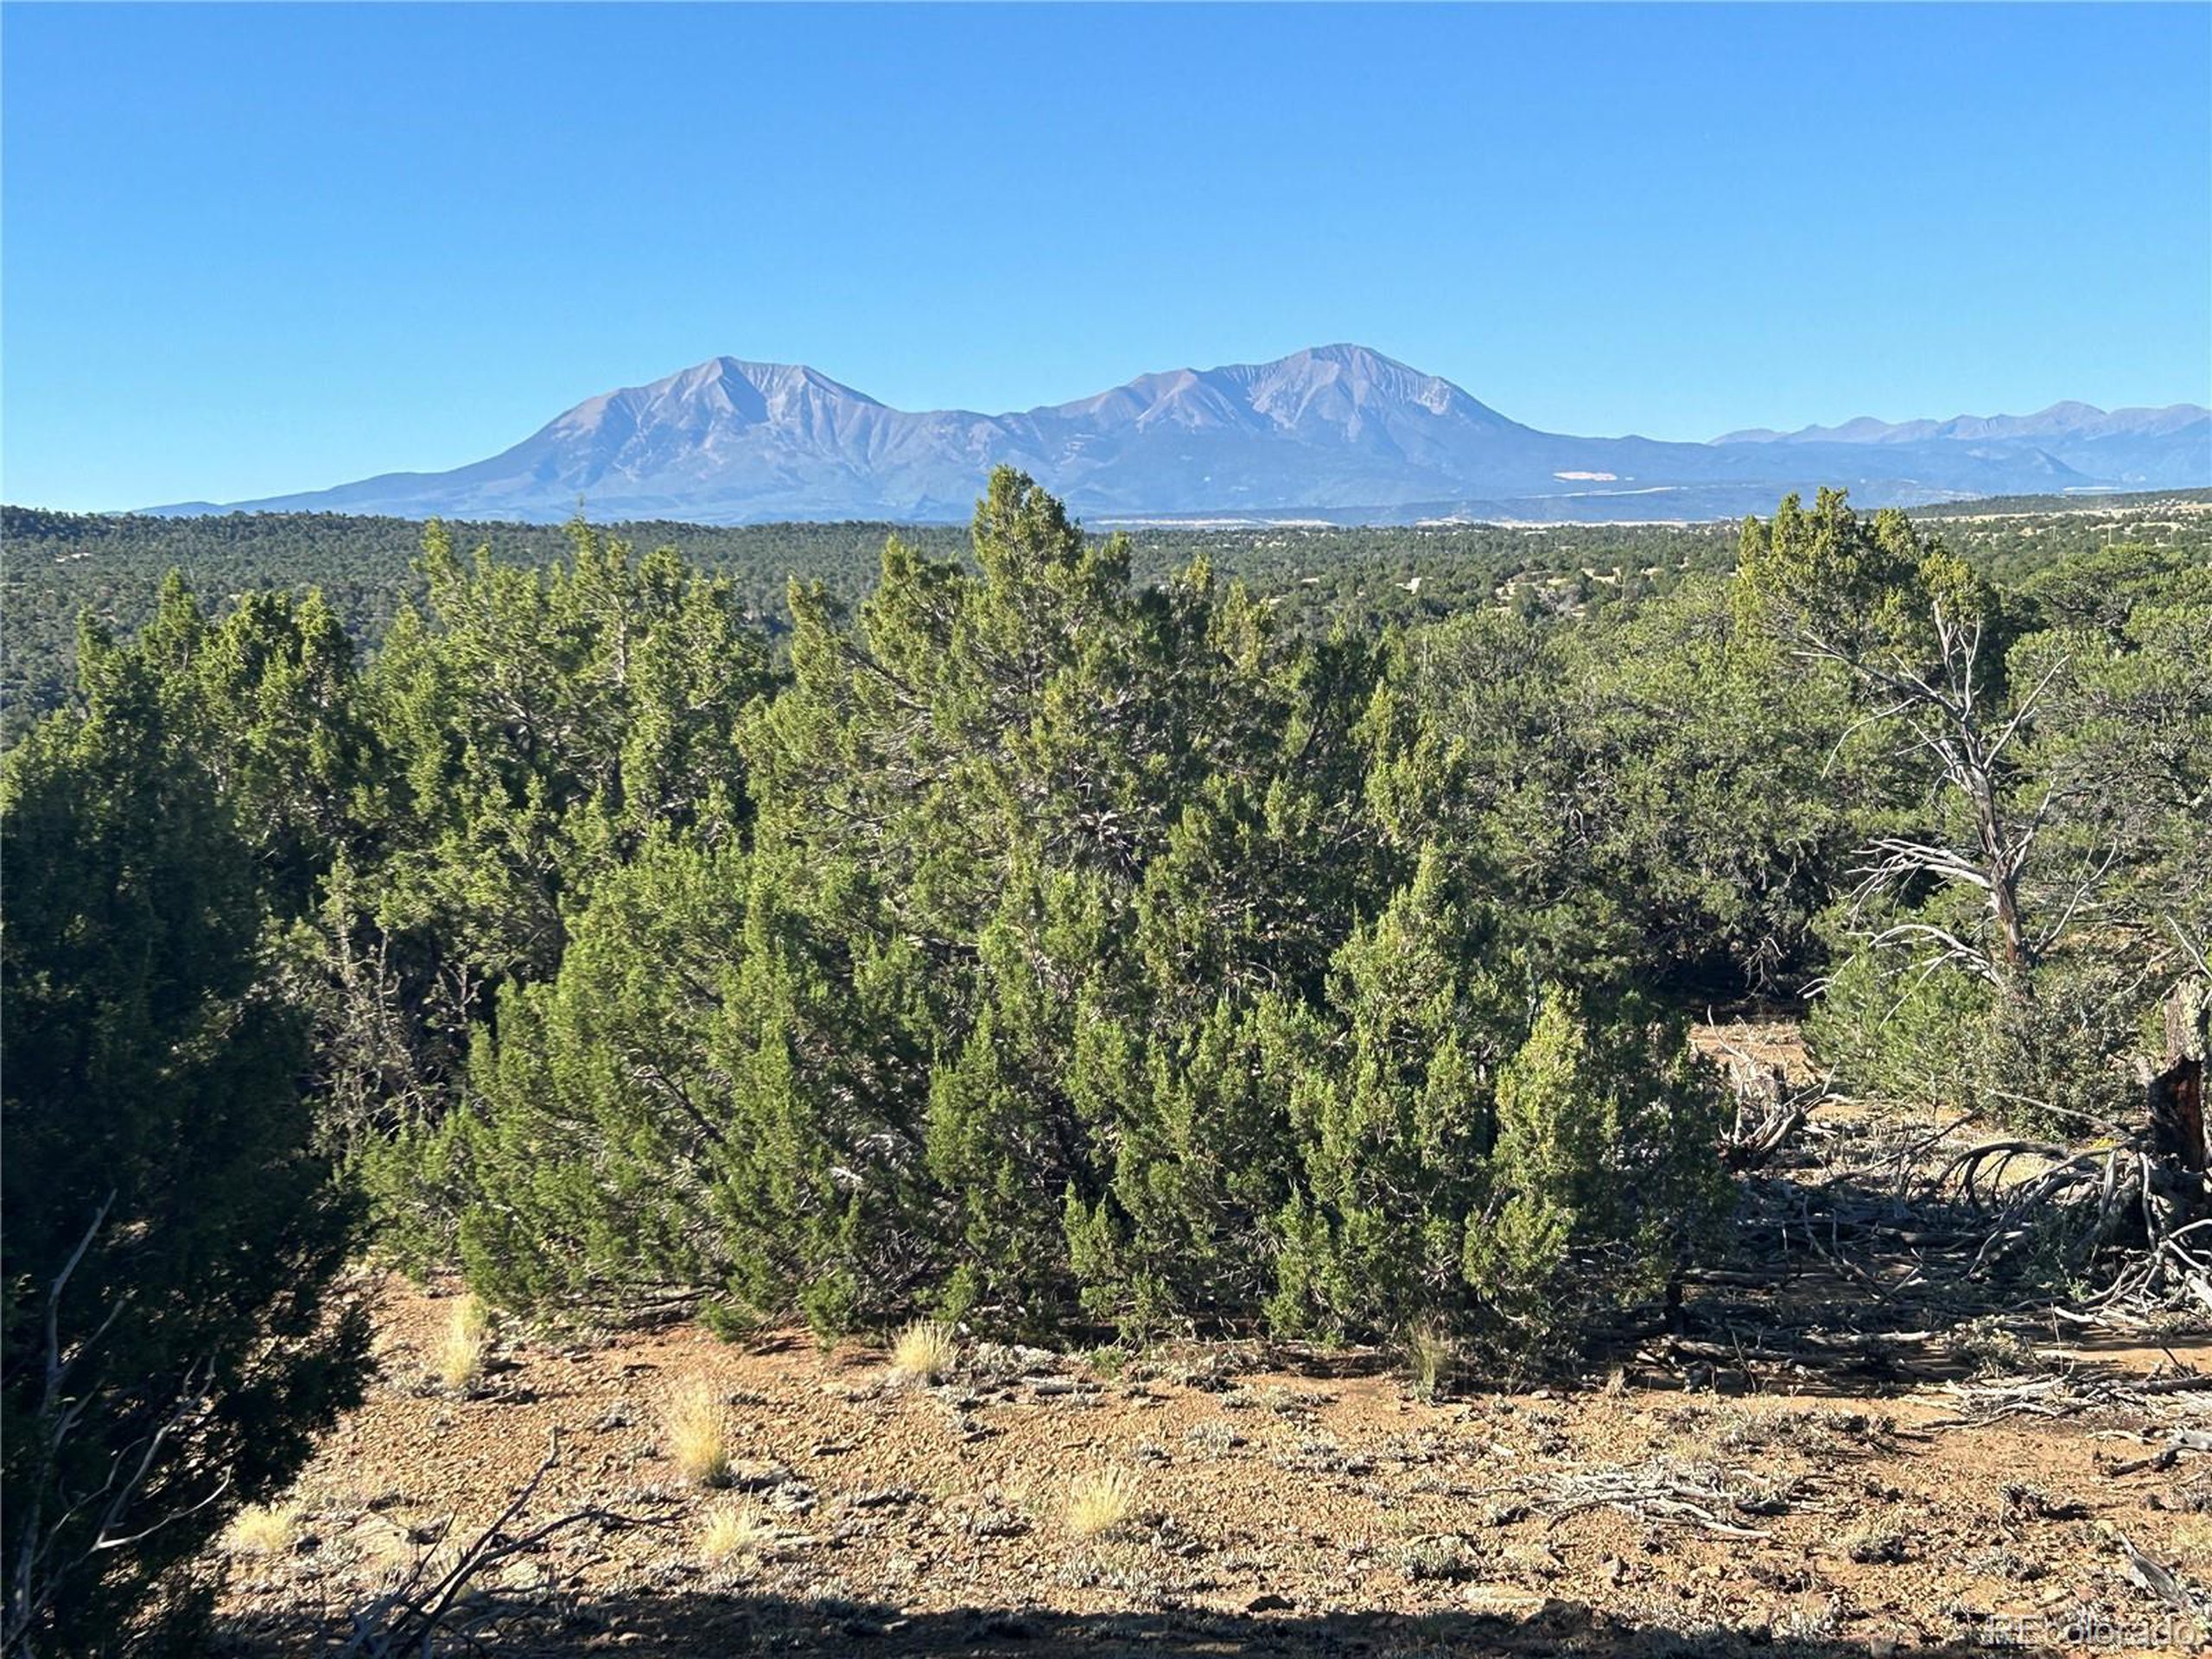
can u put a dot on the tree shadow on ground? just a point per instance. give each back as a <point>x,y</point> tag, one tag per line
<point>1847,1284</point>
<point>695,1624</point>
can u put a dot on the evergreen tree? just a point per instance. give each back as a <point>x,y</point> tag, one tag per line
<point>170,1238</point>
<point>1071,975</point>
<point>1603,1180</point>
<point>540,729</point>
<point>588,1166</point>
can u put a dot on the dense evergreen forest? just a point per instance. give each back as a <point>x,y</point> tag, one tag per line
<point>1065,936</point>
<point>63,564</point>
<point>59,565</point>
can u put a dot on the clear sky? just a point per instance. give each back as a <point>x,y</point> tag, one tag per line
<point>265,248</point>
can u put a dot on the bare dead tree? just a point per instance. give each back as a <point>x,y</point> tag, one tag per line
<point>1944,709</point>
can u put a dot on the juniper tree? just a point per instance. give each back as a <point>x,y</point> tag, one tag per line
<point>540,729</point>
<point>591,1159</point>
<point>170,1236</point>
<point>1603,1179</point>
<point>1072,977</point>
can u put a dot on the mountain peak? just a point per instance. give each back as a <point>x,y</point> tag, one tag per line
<point>1339,429</point>
<point>1347,382</point>
<point>1349,355</point>
<point>769,380</point>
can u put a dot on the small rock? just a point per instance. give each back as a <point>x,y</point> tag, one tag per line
<point>758,1477</point>
<point>791,1498</point>
<point>1502,1601</point>
<point>883,1497</point>
<point>1269,1603</point>
<point>1535,1558</point>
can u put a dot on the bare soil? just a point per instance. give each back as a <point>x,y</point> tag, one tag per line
<point>1283,1503</point>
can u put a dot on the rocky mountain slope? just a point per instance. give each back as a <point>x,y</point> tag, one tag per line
<point>1336,432</point>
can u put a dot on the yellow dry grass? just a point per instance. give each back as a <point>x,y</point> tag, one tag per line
<point>266,1530</point>
<point>1431,1358</point>
<point>731,1530</point>
<point>698,1425</point>
<point>459,1357</point>
<point>923,1352</point>
<point>1101,1503</point>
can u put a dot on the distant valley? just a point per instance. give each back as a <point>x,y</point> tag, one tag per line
<point>1333,434</point>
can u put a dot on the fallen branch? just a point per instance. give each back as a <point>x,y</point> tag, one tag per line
<point>407,1619</point>
<point>1691,1495</point>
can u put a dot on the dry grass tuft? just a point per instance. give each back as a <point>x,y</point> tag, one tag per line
<point>2189,1543</point>
<point>266,1530</point>
<point>1438,1557</point>
<point>1432,1358</point>
<point>1101,1504</point>
<point>698,1434</point>
<point>1884,1542</point>
<point>732,1530</point>
<point>460,1358</point>
<point>923,1352</point>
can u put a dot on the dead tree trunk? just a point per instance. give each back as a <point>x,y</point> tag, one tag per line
<point>2178,1124</point>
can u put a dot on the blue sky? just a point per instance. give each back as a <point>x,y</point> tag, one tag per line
<point>258,249</point>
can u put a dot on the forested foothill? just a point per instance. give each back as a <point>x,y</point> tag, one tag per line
<point>1284,935</point>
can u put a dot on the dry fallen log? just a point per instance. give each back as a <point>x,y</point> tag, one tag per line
<point>2071,1393</point>
<point>2133,1217</point>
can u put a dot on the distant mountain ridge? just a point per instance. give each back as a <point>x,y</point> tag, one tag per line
<point>2060,421</point>
<point>1335,432</point>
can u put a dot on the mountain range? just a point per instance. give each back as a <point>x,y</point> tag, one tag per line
<point>1335,433</point>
